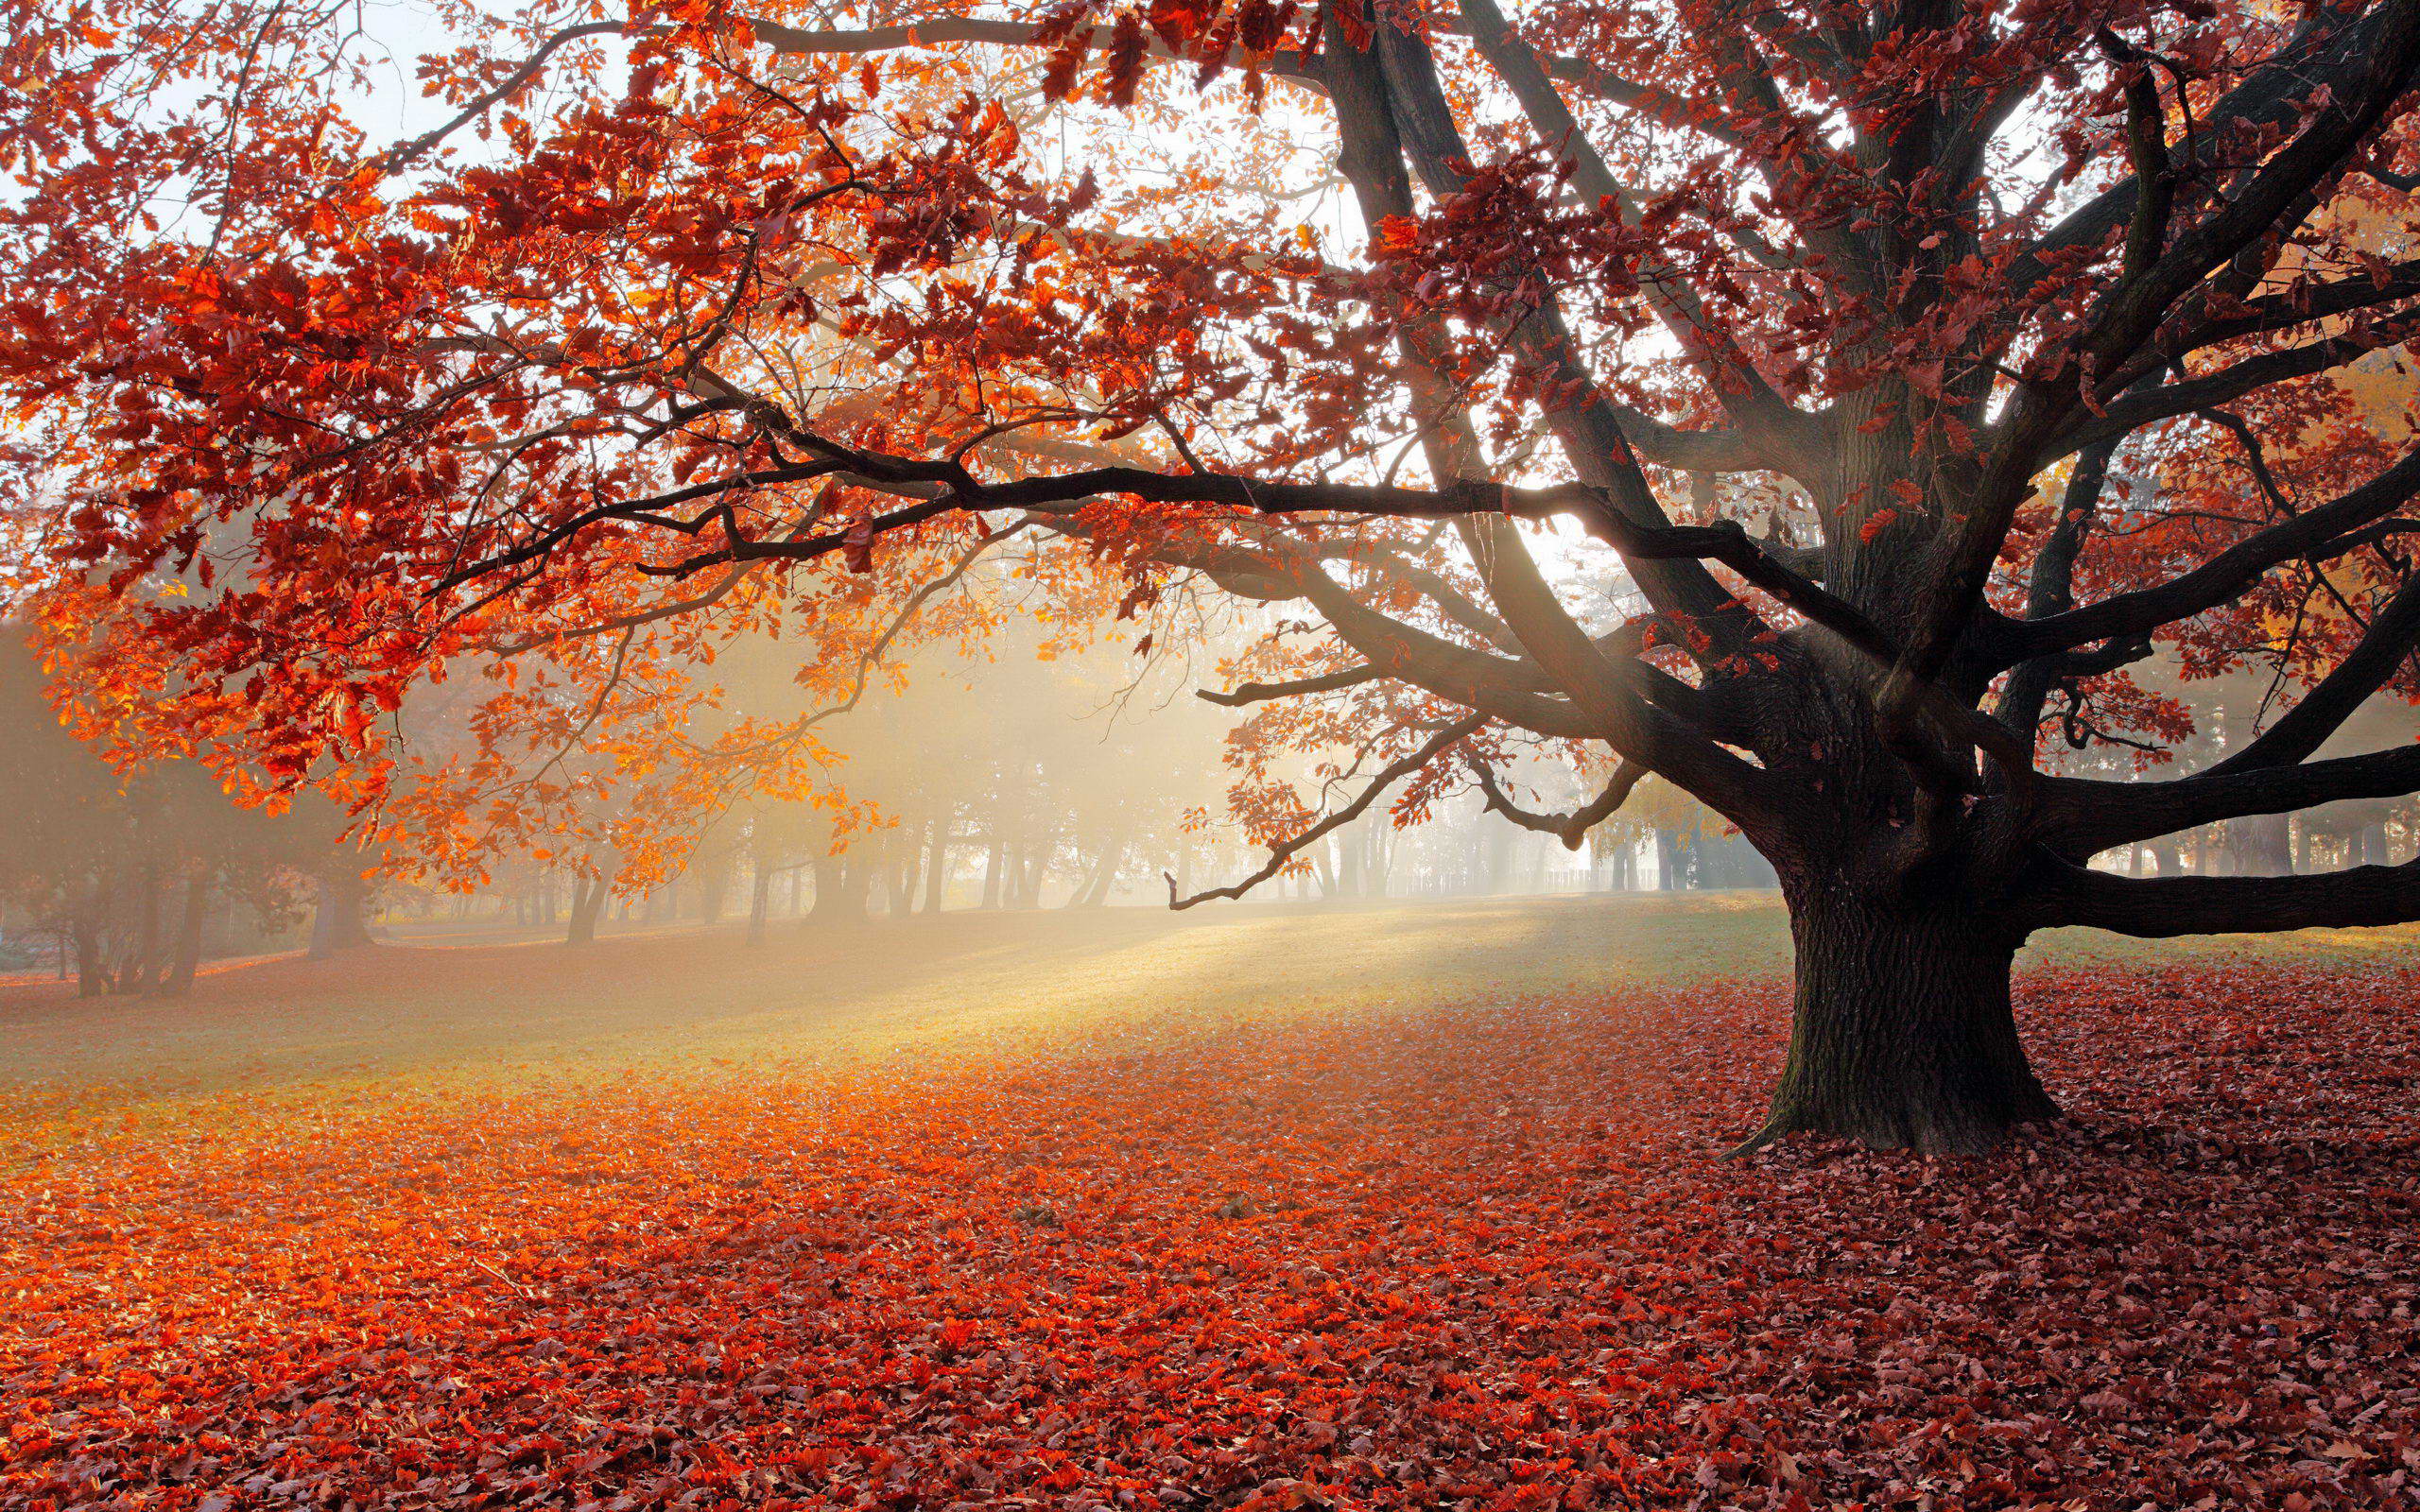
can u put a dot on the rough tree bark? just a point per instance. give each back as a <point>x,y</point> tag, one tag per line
<point>1902,1034</point>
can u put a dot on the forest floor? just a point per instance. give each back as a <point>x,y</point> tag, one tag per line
<point>1389,1206</point>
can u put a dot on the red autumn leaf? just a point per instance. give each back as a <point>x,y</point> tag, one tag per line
<point>1123,70</point>
<point>857,545</point>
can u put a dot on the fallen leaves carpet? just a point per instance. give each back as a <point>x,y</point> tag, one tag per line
<point>1478,1258</point>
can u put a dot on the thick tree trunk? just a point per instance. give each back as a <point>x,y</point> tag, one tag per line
<point>994,865</point>
<point>760,898</point>
<point>1901,1035</point>
<point>336,918</point>
<point>91,964</point>
<point>185,959</point>
<point>588,896</point>
<point>937,867</point>
<point>841,883</point>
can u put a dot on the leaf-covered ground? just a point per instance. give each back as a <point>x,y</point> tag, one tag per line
<point>1471,1254</point>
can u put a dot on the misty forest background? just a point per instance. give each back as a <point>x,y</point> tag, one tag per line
<point>1081,777</point>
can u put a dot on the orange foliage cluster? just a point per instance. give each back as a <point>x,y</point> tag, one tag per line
<point>1478,1258</point>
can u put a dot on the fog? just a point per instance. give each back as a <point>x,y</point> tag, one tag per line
<point>999,764</point>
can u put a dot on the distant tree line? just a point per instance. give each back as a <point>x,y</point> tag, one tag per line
<point>130,876</point>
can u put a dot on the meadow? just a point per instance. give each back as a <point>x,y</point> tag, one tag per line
<point>1416,1205</point>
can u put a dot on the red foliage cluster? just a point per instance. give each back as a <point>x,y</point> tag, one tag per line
<point>1477,1258</point>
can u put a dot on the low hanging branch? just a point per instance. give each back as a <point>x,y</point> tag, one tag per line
<point>1285,850</point>
<point>1571,828</point>
<point>1262,691</point>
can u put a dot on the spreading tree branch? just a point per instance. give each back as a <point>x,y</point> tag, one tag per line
<point>2050,588</point>
<point>2385,646</point>
<point>2088,816</point>
<point>945,30</point>
<point>1285,850</point>
<point>2221,578</point>
<point>403,154</point>
<point>2164,907</point>
<point>2313,58</point>
<point>2329,132</point>
<point>1571,829</point>
<point>1262,691</point>
<point>2148,405</point>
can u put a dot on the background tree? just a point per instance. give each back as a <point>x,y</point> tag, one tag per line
<point>135,866</point>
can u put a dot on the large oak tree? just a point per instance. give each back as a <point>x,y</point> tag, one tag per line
<point>1919,367</point>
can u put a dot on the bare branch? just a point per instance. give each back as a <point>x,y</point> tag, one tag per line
<point>1391,773</point>
<point>1723,451</point>
<point>2221,577</point>
<point>2383,648</point>
<point>2050,590</point>
<point>2148,405</point>
<point>2086,816</point>
<point>1436,145</point>
<point>2303,304</point>
<point>404,153</point>
<point>1571,829</point>
<point>2147,146</point>
<point>945,30</point>
<point>1262,691</point>
<point>2314,57</point>
<point>1372,155</point>
<point>2330,133</point>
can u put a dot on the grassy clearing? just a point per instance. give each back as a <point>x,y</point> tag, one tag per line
<point>961,986</point>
